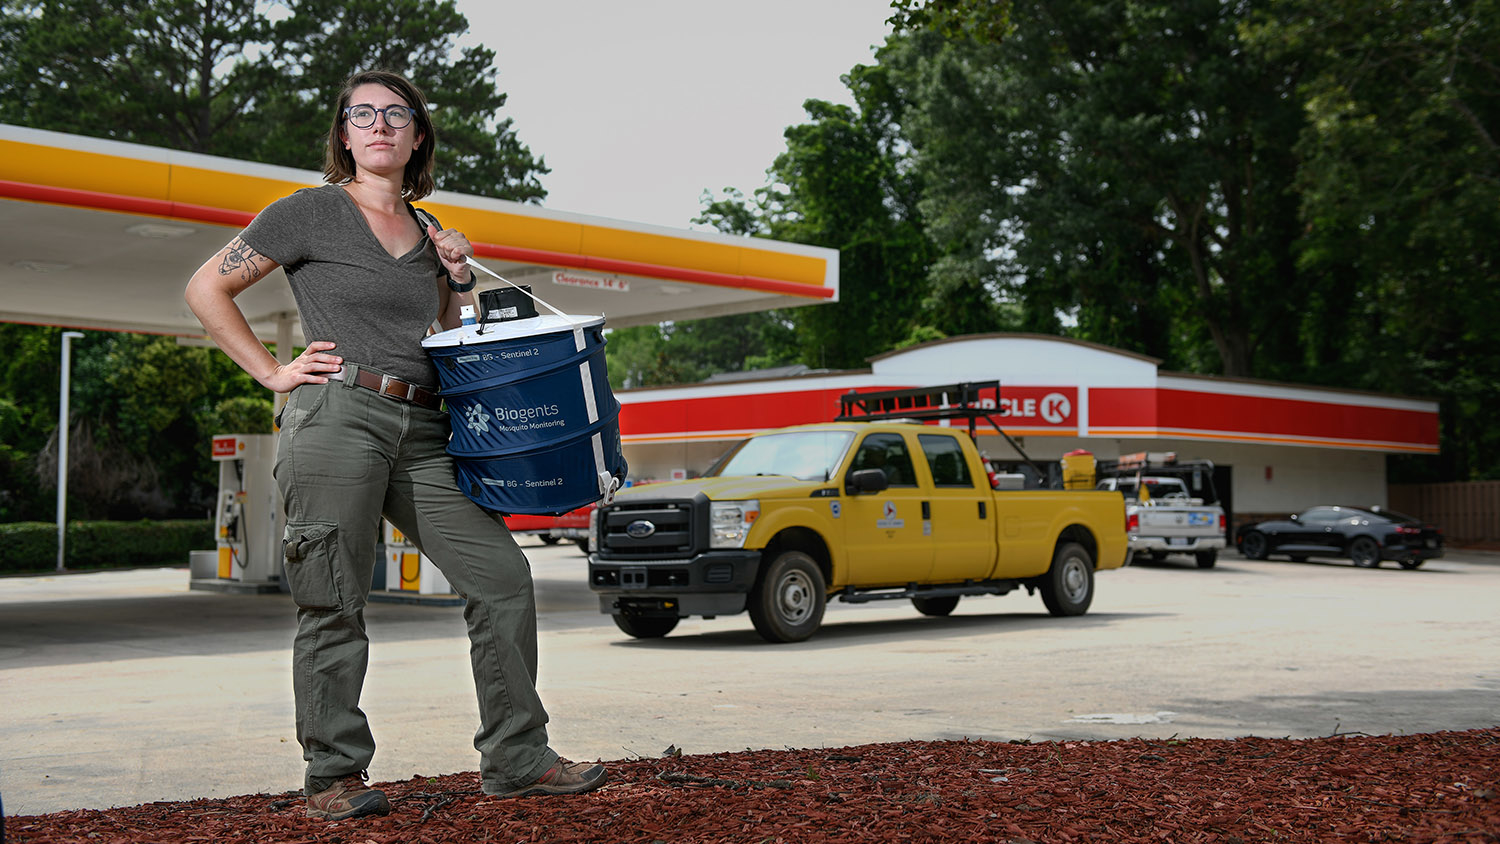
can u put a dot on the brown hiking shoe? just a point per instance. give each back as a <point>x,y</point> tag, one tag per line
<point>563,777</point>
<point>349,797</point>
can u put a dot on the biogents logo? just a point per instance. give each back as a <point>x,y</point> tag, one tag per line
<point>477,420</point>
<point>526,414</point>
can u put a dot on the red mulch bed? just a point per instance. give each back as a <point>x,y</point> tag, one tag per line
<point>1419,788</point>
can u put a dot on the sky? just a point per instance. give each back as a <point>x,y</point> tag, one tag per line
<point>639,105</point>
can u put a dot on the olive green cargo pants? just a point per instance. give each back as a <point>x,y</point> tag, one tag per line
<point>346,456</point>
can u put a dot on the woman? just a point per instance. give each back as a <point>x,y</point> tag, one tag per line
<point>362,435</point>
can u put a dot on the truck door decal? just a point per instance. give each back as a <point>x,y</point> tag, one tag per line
<point>889,520</point>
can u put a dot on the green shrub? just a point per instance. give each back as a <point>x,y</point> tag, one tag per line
<point>28,546</point>
<point>244,415</point>
<point>32,546</point>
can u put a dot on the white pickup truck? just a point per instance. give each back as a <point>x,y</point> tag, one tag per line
<point>1168,520</point>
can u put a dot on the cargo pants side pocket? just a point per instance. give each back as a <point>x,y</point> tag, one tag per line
<point>312,552</point>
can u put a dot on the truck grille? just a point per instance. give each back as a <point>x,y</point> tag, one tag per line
<point>647,529</point>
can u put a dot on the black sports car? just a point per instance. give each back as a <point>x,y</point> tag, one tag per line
<point>1366,535</point>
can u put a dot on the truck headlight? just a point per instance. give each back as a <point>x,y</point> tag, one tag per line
<point>729,522</point>
<point>594,530</point>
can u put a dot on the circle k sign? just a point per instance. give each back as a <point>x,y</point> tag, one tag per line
<point>1039,406</point>
<point>1056,408</point>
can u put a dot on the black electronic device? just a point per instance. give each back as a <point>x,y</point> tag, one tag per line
<point>503,304</point>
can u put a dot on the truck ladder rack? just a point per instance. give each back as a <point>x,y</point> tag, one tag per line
<point>949,401</point>
<point>925,404</point>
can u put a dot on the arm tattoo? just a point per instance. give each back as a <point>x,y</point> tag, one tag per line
<point>240,257</point>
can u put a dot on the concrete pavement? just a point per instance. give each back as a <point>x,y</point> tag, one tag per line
<point>126,687</point>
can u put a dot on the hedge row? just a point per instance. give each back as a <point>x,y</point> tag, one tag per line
<point>32,546</point>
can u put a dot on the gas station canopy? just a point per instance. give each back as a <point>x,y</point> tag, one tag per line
<point>104,235</point>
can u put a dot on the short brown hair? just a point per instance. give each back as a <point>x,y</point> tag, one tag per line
<point>338,161</point>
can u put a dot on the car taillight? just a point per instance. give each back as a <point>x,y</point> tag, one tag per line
<point>1132,522</point>
<point>1402,530</point>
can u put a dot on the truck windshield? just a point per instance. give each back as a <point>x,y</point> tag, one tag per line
<point>805,455</point>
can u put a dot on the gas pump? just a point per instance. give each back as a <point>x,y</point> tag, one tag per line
<point>409,572</point>
<point>246,519</point>
<point>230,528</point>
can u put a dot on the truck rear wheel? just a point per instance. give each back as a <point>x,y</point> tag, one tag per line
<point>936,606</point>
<point>788,601</point>
<point>1206,559</point>
<point>1068,587</point>
<point>645,627</point>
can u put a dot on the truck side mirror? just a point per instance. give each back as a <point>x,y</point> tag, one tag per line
<point>866,481</point>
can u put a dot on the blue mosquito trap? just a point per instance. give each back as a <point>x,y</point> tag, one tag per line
<point>535,426</point>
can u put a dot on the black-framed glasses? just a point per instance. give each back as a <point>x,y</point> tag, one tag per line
<point>362,116</point>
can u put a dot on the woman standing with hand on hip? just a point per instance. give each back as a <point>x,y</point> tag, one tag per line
<point>363,435</point>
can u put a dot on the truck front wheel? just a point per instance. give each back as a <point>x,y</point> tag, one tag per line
<point>787,603</point>
<point>1068,587</point>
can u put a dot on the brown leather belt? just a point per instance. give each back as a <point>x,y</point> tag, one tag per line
<point>392,388</point>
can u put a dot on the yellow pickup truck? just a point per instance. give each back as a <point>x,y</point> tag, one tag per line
<point>854,510</point>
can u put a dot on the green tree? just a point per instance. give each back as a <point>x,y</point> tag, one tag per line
<point>1400,189</point>
<point>29,379</point>
<point>1303,190</point>
<point>692,350</point>
<point>844,182</point>
<point>1109,160</point>
<point>843,190</point>
<point>220,77</point>
<point>20,495</point>
<point>324,41</point>
<point>985,20</point>
<point>170,73</point>
<point>243,415</point>
<point>143,409</point>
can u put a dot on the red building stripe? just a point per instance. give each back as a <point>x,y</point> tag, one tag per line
<point>1220,413</point>
<point>1122,407</point>
<point>1131,412</point>
<point>729,413</point>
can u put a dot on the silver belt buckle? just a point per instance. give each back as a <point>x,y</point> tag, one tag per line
<point>385,383</point>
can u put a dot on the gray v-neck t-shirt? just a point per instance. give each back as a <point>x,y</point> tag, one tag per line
<point>349,290</point>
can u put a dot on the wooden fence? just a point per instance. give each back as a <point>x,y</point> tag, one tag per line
<point>1468,512</point>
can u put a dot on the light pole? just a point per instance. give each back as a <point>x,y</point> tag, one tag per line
<point>62,441</point>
